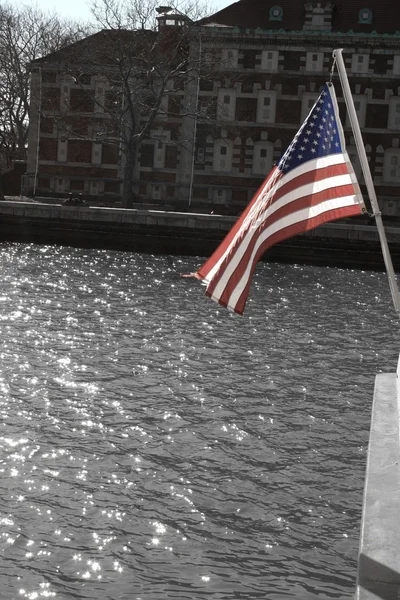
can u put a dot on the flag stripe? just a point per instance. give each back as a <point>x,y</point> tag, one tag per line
<point>301,196</point>
<point>314,182</point>
<point>227,279</point>
<point>220,251</point>
<point>230,287</point>
<point>279,236</point>
<point>306,174</point>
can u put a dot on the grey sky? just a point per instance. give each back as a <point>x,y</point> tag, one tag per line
<point>79,9</point>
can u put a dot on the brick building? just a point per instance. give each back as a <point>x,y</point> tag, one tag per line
<point>259,67</point>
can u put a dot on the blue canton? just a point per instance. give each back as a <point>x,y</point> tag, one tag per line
<point>317,137</point>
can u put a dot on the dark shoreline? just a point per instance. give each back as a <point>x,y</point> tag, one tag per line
<point>340,244</point>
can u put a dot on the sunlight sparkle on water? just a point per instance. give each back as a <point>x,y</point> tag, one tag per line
<point>155,445</point>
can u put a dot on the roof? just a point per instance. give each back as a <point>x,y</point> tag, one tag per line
<point>101,48</point>
<point>253,14</point>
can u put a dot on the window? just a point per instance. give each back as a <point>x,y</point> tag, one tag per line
<point>110,154</point>
<point>394,113</point>
<point>49,77</point>
<point>220,196</point>
<point>51,99</point>
<point>159,155</point>
<point>96,153</point>
<point>229,58</point>
<point>389,208</point>
<point>249,59</point>
<point>77,185</point>
<point>44,182</point>
<point>111,187</point>
<point>81,78</point>
<point>226,104</point>
<point>79,151</point>
<point>48,149</point>
<point>365,16</point>
<point>156,192</point>
<point>203,107</point>
<point>307,102</point>
<point>317,19</point>
<point>81,100</point>
<point>262,158</point>
<point>360,104</point>
<point>146,155</point>
<point>171,156</point>
<point>275,13</point>
<point>360,63</point>
<point>269,60</point>
<point>391,168</point>
<point>62,149</point>
<point>266,105</point>
<point>60,186</point>
<point>314,61</point>
<point>200,154</point>
<point>222,155</point>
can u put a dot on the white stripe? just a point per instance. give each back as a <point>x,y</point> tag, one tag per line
<point>288,198</point>
<point>259,206</point>
<point>315,164</point>
<point>255,209</point>
<point>291,219</point>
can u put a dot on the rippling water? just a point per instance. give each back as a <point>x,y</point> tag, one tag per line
<point>154,446</point>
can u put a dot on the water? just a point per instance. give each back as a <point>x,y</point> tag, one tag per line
<point>154,446</point>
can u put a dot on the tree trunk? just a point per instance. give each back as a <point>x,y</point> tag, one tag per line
<point>127,184</point>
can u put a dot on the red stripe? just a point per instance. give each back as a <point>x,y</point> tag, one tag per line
<point>224,245</point>
<point>308,201</point>
<point>303,179</point>
<point>311,176</point>
<point>289,208</point>
<point>277,237</point>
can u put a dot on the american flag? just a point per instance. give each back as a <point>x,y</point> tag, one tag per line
<point>314,182</point>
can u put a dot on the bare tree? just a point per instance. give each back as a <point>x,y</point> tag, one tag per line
<point>25,35</point>
<point>142,56</point>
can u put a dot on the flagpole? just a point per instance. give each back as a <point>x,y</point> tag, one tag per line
<point>337,54</point>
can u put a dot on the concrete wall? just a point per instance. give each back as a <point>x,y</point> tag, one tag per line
<point>345,244</point>
<point>379,557</point>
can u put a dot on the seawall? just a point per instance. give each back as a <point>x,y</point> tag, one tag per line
<point>346,244</point>
<point>379,557</point>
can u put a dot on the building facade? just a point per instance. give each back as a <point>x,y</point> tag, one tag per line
<point>256,70</point>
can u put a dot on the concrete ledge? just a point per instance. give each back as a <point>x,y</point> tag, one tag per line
<point>379,558</point>
<point>344,244</point>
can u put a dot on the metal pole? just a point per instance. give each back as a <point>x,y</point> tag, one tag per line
<point>337,54</point>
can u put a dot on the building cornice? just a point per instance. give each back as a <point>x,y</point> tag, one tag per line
<point>310,37</point>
